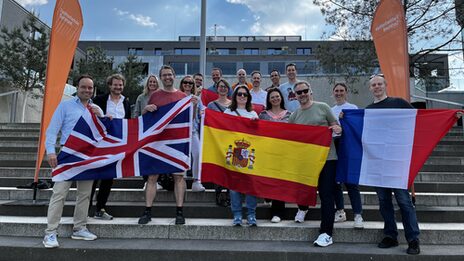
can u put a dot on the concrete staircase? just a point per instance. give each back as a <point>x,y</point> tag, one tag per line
<point>208,233</point>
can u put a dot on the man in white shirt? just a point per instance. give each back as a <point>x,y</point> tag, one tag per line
<point>258,95</point>
<point>114,105</point>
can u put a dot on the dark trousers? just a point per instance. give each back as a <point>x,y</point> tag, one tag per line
<point>103,193</point>
<point>326,188</point>
<point>278,208</point>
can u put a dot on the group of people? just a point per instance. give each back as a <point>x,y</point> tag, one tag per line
<point>290,102</point>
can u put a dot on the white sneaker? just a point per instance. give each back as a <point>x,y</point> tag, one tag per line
<point>83,234</point>
<point>158,186</point>
<point>197,187</point>
<point>323,240</point>
<point>358,221</point>
<point>340,216</point>
<point>275,219</point>
<point>50,241</point>
<point>300,216</point>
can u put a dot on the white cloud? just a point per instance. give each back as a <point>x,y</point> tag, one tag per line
<point>284,17</point>
<point>32,2</point>
<point>137,18</point>
<point>142,20</point>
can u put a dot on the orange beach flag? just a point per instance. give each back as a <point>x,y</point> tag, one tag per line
<point>66,29</point>
<point>390,37</point>
<point>267,159</point>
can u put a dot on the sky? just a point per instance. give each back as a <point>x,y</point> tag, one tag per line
<point>168,19</point>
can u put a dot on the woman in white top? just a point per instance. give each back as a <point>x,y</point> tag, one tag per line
<point>241,103</point>
<point>340,92</point>
<point>187,86</point>
<point>241,106</point>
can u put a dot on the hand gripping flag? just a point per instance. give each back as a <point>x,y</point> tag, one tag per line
<point>155,143</point>
<point>388,147</point>
<point>267,159</point>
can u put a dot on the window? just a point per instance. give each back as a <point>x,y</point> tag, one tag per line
<point>303,51</point>
<point>308,67</point>
<point>135,51</point>
<point>184,68</point>
<point>187,51</point>
<point>227,68</point>
<point>279,66</point>
<point>251,51</point>
<point>274,51</point>
<point>250,67</point>
<point>226,51</point>
<point>158,51</point>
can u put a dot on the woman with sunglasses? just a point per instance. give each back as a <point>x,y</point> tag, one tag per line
<point>187,86</point>
<point>241,106</point>
<point>340,92</point>
<point>275,111</point>
<point>222,102</point>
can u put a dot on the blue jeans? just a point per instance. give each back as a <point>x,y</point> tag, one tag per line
<point>408,213</point>
<point>236,204</point>
<point>353,193</point>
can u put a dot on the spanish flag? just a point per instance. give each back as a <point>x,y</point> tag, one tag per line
<point>267,159</point>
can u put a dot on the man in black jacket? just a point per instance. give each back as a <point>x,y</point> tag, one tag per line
<point>114,105</point>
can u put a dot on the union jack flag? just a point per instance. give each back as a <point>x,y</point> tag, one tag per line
<point>155,143</point>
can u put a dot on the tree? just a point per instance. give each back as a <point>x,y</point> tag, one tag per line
<point>23,57</point>
<point>133,70</point>
<point>97,65</point>
<point>431,24</point>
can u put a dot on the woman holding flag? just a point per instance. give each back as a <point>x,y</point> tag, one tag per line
<point>241,106</point>
<point>275,111</point>
<point>187,86</point>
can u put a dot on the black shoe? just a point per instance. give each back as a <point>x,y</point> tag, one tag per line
<point>180,220</point>
<point>413,247</point>
<point>388,242</point>
<point>145,218</point>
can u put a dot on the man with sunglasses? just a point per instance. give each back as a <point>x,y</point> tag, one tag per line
<point>312,112</point>
<point>161,97</point>
<point>378,88</point>
<point>287,89</point>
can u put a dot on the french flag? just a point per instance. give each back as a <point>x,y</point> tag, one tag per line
<point>388,147</point>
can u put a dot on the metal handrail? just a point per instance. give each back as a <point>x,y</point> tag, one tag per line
<point>442,101</point>
<point>8,93</point>
<point>438,100</point>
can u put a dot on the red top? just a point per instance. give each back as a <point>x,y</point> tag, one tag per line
<point>161,97</point>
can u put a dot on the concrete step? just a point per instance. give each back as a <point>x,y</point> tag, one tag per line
<point>137,182</point>
<point>138,195</point>
<point>23,158</point>
<point>440,176</point>
<point>221,229</point>
<point>31,248</point>
<point>426,176</point>
<point>430,214</point>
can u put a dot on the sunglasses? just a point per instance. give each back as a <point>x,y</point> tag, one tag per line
<point>300,92</point>
<point>186,82</point>
<point>375,75</point>
<point>242,94</point>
